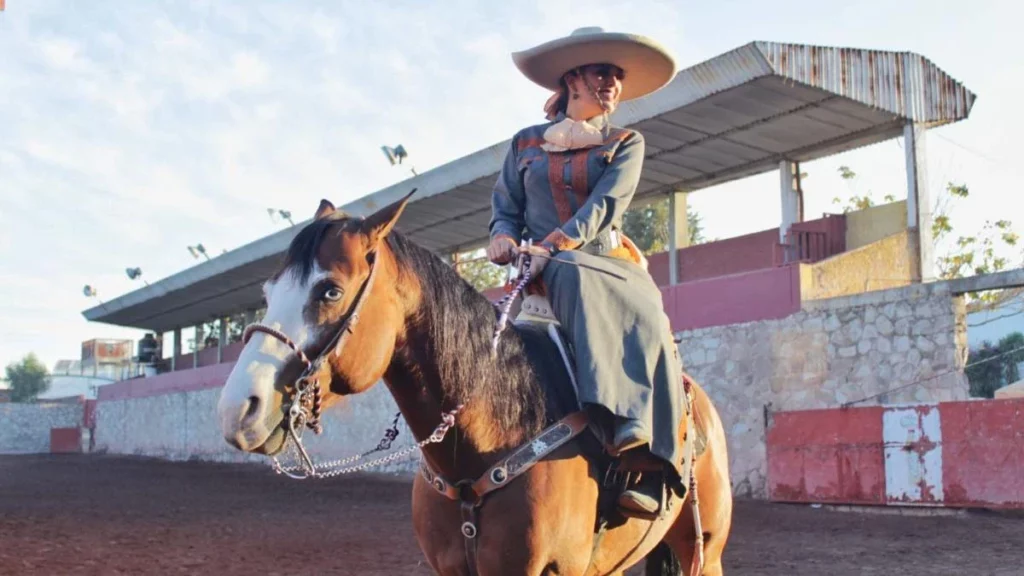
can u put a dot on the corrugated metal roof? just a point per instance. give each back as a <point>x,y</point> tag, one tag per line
<point>730,117</point>
<point>906,84</point>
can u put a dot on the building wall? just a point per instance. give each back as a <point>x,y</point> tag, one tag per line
<point>25,428</point>
<point>755,295</point>
<point>746,253</point>
<point>730,256</point>
<point>875,223</point>
<point>830,352</point>
<point>885,263</point>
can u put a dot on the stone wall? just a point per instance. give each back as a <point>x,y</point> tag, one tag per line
<point>183,426</point>
<point>25,428</point>
<point>900,345</point>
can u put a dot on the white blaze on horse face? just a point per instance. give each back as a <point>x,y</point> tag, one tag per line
<point>245,400</point>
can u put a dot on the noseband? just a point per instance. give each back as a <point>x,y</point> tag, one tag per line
<point>305,406</point>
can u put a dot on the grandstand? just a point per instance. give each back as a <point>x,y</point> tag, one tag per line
<point>759,108</point>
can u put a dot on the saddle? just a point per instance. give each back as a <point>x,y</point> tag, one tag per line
<point>536,314</point>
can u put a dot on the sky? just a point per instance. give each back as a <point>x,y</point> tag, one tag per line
<point>131,130</point>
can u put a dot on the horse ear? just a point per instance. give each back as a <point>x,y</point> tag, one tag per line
<point>326,209</point>
<point>378,225</point>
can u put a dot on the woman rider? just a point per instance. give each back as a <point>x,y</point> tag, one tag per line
<point>565,184</point>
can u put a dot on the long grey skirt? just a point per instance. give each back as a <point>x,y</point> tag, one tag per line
<point>625,356</point>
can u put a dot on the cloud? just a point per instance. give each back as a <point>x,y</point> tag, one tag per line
<point>64,55</point>
<point>127,135</point>
<point>137,133</point>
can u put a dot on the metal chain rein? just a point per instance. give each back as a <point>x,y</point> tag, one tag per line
<point>323,470</point>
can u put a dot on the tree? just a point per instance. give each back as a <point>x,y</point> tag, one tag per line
<point>236,327</point>
<point>479,272</point>
<point>991,367</point>
<point>647,226</point>
<point>968,255</point>
<point>28,379</point>
<point>857,201</point>
<point>1013,345</point>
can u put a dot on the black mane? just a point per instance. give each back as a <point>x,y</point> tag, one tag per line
<point>458,322</point>
<point>461,324</point>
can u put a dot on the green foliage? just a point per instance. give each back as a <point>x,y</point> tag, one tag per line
<point>479,272</point>
<point>977,254</point>
<point>991,367</point>
<point>857,201</point>
<point>28,379</point>
<point>647,226</point>
<point>236,327</point>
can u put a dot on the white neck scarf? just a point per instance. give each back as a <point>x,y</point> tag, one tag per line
<point>570,134</point>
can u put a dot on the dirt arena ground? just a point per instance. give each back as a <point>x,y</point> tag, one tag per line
<point>111,515</point>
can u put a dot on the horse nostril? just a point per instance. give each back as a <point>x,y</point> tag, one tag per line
<point>252,410</point>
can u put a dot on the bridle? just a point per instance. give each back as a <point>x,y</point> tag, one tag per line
<point>304,409</point>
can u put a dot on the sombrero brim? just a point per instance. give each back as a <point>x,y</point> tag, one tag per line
<point>648,65</point>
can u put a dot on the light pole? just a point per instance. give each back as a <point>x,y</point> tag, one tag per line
<point>135,274</point>
<point>197,250</point>
<point>275,212</point>
<point>90,292</point>
<point>396,155</point>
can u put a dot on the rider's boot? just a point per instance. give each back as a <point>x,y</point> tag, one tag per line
<point>642,498</point>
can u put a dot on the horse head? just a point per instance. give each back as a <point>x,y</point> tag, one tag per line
<point>308,347</point>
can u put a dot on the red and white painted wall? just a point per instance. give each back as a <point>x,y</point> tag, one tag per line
<point>955,454</point>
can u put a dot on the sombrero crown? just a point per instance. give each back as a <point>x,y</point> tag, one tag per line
<point>648,65</point>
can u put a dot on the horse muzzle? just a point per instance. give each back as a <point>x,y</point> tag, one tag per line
<point>250,423</point>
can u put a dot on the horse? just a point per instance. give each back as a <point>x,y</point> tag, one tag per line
<point>508,482</point>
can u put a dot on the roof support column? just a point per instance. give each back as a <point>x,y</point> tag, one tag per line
<point>678,231</point>
<point>221,338</point>
<point>197,329</point>
<point>176,348</point>
<point>792,207</point>
<point>919,201</point>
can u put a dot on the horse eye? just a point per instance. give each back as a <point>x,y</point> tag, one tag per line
<point>332,294</point>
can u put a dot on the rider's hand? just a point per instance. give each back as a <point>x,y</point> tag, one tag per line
<point>501,250</point>
<point>540,256</point>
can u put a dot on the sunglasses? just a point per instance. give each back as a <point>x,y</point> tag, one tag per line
<point>602,71</point>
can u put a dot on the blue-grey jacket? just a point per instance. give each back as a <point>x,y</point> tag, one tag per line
<point>565,198</point>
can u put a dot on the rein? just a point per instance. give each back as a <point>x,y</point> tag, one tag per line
<point>304,410</point>
<point>504,305</point>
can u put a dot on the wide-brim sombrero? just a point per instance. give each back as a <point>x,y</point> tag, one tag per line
<point>649,66</point>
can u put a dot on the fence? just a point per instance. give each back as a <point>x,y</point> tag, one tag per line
<point>955,454</point>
